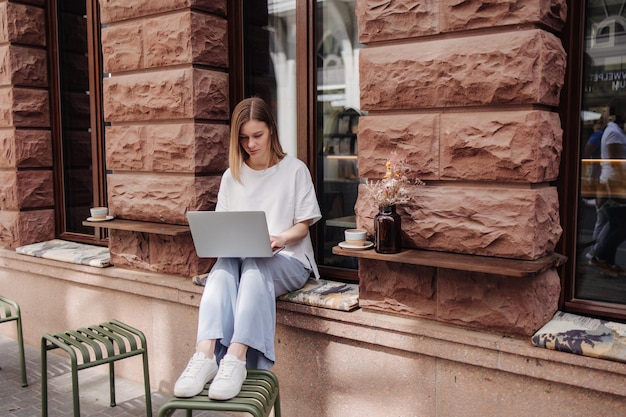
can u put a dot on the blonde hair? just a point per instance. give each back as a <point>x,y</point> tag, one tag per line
<point>254,108</point>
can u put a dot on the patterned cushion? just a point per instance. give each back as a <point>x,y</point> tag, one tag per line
<point>318,293</point>
<point>61,250</point>
<point>327,294</point>
<point>583,336</point>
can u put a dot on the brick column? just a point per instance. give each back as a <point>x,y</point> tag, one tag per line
<point>26,189</point>
<point>167,104</point>
<point>467,91</point>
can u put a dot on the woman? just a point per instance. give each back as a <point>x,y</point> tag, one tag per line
<point>237,315</point>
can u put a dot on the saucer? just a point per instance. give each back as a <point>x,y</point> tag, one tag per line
<point>344,245</point>
<point>91,219</point>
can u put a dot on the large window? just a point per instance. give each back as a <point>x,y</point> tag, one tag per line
<point>76,84</point>
<point>595,159</point>
<point>302,57</point>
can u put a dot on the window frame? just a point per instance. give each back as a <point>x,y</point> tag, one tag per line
<point>99,236</point>
<point>569,178</point>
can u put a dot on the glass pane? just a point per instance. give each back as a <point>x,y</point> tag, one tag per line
<point>602,205</point>
<point>75,113</point>
<point>338,112</point>
<point>270,62</point>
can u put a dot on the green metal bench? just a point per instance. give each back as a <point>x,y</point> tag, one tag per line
<point>10,311</point>
<point>258,396</point>
<point>95,345</point>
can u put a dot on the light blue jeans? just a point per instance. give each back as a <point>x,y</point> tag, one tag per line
<point>239,304</point>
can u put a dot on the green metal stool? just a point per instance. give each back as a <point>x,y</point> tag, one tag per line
<point>96,345</point>
<point>10,311</point>
<point>258,395</point>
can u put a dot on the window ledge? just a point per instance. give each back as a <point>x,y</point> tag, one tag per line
<point>141,226</point>
<point>513,354</point>
<point>474,263</point>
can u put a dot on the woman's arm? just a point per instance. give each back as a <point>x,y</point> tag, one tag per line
<point>295,233</point>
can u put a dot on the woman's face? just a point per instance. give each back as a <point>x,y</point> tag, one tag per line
<point>254,137</point>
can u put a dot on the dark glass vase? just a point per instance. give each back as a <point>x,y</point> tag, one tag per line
<point>387,230</point>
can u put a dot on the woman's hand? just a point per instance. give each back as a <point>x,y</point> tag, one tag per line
<point>290,236</point>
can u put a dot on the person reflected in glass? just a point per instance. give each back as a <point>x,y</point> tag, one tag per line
<point>592,176</point>
<point>237,314</point>
<point>612,205</point>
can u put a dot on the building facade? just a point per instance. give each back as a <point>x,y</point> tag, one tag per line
<point>127,103</point>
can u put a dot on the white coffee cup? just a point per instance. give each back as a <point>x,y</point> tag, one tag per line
<point>99,212</point>
<point>356,237</point>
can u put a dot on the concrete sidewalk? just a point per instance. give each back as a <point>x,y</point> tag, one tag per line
<point>16,400</point>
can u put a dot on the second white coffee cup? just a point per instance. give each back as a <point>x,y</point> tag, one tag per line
<point>356,237</point>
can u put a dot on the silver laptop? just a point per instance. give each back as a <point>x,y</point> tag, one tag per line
<point>230,234</point>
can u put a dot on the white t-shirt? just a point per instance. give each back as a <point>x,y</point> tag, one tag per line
<point>612,135</point>
<point>284,192</point>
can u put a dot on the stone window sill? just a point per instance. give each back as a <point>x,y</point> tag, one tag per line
<point>141,226</point>
<point>474,263</point>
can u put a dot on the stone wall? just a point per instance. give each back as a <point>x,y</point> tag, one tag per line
<point>466,92</point>
<point>167,103</point>
<point>26,191</point>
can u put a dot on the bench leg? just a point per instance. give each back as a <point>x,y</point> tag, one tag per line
<point>146,383</point>
<point>75,397</point>
<point>112,383</point>
<point>20,342</point>
<point>44,378</point>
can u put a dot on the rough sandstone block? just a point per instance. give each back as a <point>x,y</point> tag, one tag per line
<point>160,198</point>
<point>172,94</point>
<point>25,148</point>
<point>476,300</point>
<point>184,38</point>
<point>415,138</point>
<point>168,148</point>
<point>457,15</point>
<point>515,145</point>
<point>22,107</point>
<point>209,38</point>
<point>122,47</point>
<point>180,38</point>
<point>394,287</point>
<point>23,66</point>
<point>523,67</point>
<point>7,148</point>
<point>22,24</point>
<point>403,19</point>
<point>518,145</point>
<point>400,19</point>
<point>511,222</point>
<point>19,228</point>
<point>118,10</point>
<point>25,189</point>
<point>497,303</point>
<point>174,255</point>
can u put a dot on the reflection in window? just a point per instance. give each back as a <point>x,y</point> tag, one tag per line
<point>338,112</point>
<point>601,262</point>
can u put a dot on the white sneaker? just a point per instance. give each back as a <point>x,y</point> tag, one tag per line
<point>199,371</point>
<point>229,379</point>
